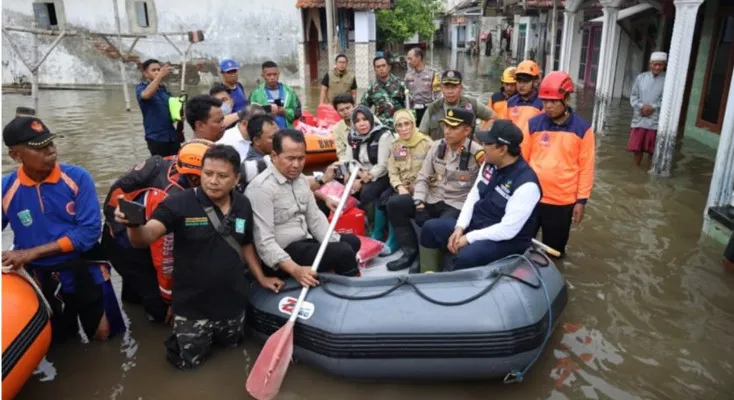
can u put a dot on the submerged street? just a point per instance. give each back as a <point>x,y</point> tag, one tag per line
<point>649,314</point>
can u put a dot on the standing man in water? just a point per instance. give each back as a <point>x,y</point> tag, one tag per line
<point>386,94</point>
<point>561,151</point>
<point>282,100</point>
<point>424,83</point>
<point>338,80</point>
<point>152,95</point>
<point>229,69</point>
<point>204,115</point>
<point>646,99</point>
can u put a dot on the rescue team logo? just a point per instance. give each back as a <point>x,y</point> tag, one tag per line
<point>71,208</point>
<point>287,304</point>
<point>479,157</point>
<point>196,221</point>
<point>25,218</point>
<point>36,126</point>
<point>545,139</point>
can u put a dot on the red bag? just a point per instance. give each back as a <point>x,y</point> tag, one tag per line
<point>351,221</point>
<point>369,249</point>
<point>335,190</point>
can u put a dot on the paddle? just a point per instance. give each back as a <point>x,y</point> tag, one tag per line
<point>269,370</point>
<point>546,248</point>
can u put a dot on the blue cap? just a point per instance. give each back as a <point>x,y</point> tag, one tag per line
<point>228,64</point>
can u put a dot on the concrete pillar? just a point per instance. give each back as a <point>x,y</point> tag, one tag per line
<point>302,64</point>
<point>676,74</point>
<point>454,37</point>
<point>362,61</point>
<point>569,33</point>
<point>609,48</point>
<point>722,181</point>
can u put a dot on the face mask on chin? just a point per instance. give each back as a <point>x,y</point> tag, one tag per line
<point>226,108</point>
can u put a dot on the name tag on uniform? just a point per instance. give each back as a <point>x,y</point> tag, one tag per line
<point>487,175</point>
<point>502,193</point>
<point>400,153</point>
<point>463,179</point>
<point>239,225</point>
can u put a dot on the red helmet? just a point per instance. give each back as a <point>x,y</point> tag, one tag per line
<point>555,86</point>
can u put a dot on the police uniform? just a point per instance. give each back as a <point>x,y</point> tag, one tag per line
<point>63,208</point>
<point>210,289</point>
<point>441,186</point>
<point>498,218</point>
<point>424,87</point>
<point>430,124</point>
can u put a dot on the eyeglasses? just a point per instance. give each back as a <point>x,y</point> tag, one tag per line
<point>403,124</point>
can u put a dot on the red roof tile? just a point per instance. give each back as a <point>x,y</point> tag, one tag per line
<point>355,4</point>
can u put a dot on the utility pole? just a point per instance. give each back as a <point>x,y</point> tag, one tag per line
<point>330,29</point>
<point>554,32</point>
<point>122,56</point>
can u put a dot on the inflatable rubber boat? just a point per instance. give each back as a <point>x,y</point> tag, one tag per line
<point>26,334</point>
<point>481,323</point>
<point>318,132</point>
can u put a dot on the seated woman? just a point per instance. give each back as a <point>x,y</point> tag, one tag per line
<point>370,143</point>
<point>407,156</point>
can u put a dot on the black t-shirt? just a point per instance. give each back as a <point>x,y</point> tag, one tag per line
<point>208,275</point>
<point>325,82</point>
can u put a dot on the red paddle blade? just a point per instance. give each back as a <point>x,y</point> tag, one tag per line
<point>269,370</point>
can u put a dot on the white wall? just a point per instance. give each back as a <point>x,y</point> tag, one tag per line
<point>629,65</point>
<point>576,48</point>
<point>251,31</point>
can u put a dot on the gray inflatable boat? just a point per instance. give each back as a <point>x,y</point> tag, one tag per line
<point>482,323</point>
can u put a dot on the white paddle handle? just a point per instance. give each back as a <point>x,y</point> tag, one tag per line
<point>325,242</point>
<point>546,248</point>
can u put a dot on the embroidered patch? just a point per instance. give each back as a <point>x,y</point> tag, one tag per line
<point>25,218</point>
<point>545,139</point>
<point>468,106</point>
<point>479,157</point>
<point>239,225</point>
<point>196,221</point>
<point>71,208</point>
<point>487,174</point>
<point>36,126</point>
<point>139,166</point>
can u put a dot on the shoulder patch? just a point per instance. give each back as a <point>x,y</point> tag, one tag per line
<point>479,157</point>
<point>139,166</point>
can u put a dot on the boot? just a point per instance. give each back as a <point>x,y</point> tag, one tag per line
<point>378,226</point>
<point>409,243</point>
<point>391,244</point>
<point>430,259</point>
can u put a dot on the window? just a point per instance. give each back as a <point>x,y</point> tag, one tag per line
<point>718,74</point>
<point>141,14</point>
<point>45,15</point>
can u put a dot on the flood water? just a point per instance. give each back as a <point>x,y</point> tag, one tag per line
<point>650,312</point>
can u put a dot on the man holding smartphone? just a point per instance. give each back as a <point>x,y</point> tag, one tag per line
<point>279,97</point>
<point>212,228</point>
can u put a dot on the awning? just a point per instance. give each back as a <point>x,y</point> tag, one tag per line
<point>627,12</point>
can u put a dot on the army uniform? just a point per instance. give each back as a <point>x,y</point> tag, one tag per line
<point>430,124</point>
<point>441,186</point>
<point>387,97</point>
<point>195,336</point>
<point>425,87</point>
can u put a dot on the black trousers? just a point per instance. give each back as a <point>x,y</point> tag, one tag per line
<point>163,149</point>
<point>339,257</point>
<point>401,209</point>
<point>372,191</point>
<point>555,221</point>
<point>419,114</point>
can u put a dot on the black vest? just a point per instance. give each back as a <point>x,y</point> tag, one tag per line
<point>373,146</point>
<point>495,187</point>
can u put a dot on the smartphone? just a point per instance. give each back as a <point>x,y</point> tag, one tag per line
<point>268,109</point>
<point>134,212</point>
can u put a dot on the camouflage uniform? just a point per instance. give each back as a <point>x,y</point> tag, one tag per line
<point>386,97</point>
<point>192,340</point>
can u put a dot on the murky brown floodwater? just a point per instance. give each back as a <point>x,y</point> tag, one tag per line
<point>650,312</point>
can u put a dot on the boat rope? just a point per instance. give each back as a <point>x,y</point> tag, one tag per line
<point>405,280</point>
<point>518,376</point>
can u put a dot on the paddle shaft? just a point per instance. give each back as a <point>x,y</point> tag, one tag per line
<point>546,248</point>
<point>325,242</point>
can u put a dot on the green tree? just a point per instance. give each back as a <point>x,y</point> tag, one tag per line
<point>407,18</point>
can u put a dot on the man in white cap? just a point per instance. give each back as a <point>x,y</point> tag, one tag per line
<point>646,98</point>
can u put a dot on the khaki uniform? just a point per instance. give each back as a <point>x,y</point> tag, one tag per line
<point>339,84</point>
<point>441,180</point>
<point>340,132</point>
<point>431,122</point>
<point>405,162</point>
<point>284,211</point>
<point>424,86</point>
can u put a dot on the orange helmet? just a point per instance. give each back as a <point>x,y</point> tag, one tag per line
<point>555,86</point>
<point>191,157</point>
<point>528,67</point>
<point>508,76</point>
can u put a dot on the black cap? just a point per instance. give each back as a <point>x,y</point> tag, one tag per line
<point>458,116</point>
<point>503,131</point>
<point>451,76</point>
<point>29,131</point>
